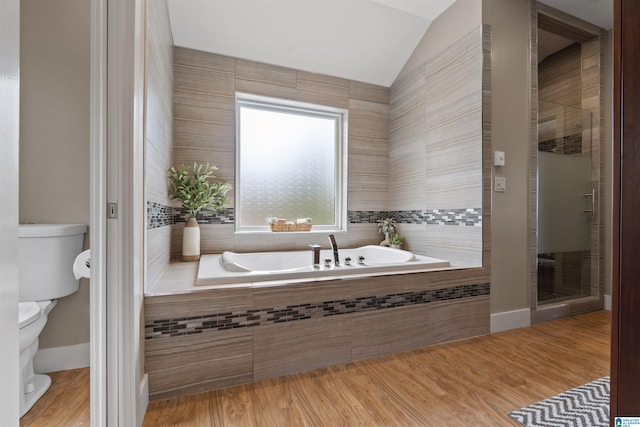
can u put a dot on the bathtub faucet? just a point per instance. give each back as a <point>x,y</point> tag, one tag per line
<point>316,255</point>
<point>334,246</point>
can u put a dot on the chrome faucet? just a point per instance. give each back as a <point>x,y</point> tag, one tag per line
<point>334,246</point>
<point>316,255</point>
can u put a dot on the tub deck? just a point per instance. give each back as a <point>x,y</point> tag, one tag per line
<point>201,338</point>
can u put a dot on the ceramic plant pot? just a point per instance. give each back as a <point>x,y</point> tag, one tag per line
<point>191,241</point>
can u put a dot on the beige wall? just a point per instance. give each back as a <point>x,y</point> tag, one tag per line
<point>510,107</point>
<point>54,137</point>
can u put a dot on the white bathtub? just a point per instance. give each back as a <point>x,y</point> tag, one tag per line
<point>231,267</point>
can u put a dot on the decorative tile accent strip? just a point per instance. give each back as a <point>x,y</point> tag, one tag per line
<point>221,321</point>
<point>466,216</point>
<point>471,217</point>
<point>225,216</point>
<point>366,217</point>
<point>158,215</point>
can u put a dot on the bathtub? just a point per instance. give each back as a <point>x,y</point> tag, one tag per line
<point>231,267</point>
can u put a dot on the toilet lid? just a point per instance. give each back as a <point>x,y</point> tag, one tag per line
<point>28,312</point>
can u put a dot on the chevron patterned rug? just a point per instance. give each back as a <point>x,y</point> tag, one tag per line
<point>584,406</point>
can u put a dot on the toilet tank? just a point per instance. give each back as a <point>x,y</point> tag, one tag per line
<point>46,253</point>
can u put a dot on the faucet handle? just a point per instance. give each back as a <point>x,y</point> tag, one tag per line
<point>314,246</point>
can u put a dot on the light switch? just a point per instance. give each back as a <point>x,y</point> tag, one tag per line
<point>498,158</point>
<point>501,184</point>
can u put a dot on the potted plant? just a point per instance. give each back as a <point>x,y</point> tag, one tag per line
<point>193,186</point>
<point>388,227</point>
<point>396,241</point>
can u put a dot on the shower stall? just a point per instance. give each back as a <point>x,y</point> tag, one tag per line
<point>567,203</point>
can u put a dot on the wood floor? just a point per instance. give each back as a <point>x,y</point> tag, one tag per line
<point>66,403</point>
<point>474,382</point>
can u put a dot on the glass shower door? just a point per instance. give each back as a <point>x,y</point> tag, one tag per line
<point>566,203</point>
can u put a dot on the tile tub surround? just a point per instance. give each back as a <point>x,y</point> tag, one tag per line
<point>204,129</point>
<point>215,338</point>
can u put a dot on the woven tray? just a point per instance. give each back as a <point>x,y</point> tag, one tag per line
<point>283,226</point>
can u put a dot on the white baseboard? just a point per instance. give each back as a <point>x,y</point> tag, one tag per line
<point>143,399</point>
<point>607,302</point>
<point>510,320</point>
<point>61,358</point>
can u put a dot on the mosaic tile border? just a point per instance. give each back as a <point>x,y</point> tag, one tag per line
<point>470,217</point>
<point>167,328</point>
<point>225,216</point>
<point>160,216</point>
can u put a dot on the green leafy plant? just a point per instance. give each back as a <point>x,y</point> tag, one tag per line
<point>387,226</point>
<point>194,187</point>
<point>396,239</point>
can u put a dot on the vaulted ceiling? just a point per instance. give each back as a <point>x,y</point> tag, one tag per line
<point>363,40</point>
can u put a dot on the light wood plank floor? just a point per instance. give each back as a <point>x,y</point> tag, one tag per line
<point>66,403</point>
<point>473,382</point>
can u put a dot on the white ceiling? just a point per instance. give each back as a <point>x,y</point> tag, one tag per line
<point>362,40</point>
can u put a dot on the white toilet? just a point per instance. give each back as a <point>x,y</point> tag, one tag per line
<point>46,256</point>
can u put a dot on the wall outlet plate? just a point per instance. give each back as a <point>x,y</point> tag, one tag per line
<point>501,184</point>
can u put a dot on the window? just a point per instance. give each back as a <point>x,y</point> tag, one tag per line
<point>290,163</point>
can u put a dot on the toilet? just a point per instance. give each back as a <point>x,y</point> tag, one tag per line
<point>46,253</point>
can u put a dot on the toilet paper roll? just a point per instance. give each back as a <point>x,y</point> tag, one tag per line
<point>82,265</point>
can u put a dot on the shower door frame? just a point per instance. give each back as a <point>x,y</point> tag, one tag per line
<point>577,29</point>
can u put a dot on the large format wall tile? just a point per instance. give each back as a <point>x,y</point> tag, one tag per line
<point>282,349</point>
<point>204,131</point>
<point>193,364</point>
<point>437,145</point>
<point>158,133</point>
<point>377,333</point>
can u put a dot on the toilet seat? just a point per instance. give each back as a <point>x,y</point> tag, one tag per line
<point>28,312</point>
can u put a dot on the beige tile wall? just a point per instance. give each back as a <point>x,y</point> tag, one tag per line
<point>158,130</point>
<point>436,148</point>
<point>204,131</point>
<point>415,146</point>
<point>217,358</point>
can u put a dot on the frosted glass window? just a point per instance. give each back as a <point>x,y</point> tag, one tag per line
<point>289,163</point>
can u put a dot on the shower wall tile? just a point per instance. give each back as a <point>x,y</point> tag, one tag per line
<point>559,77</point>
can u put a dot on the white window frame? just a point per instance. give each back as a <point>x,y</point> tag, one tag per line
<point>341,154</point>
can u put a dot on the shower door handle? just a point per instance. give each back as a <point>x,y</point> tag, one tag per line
<point>593,201</point>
